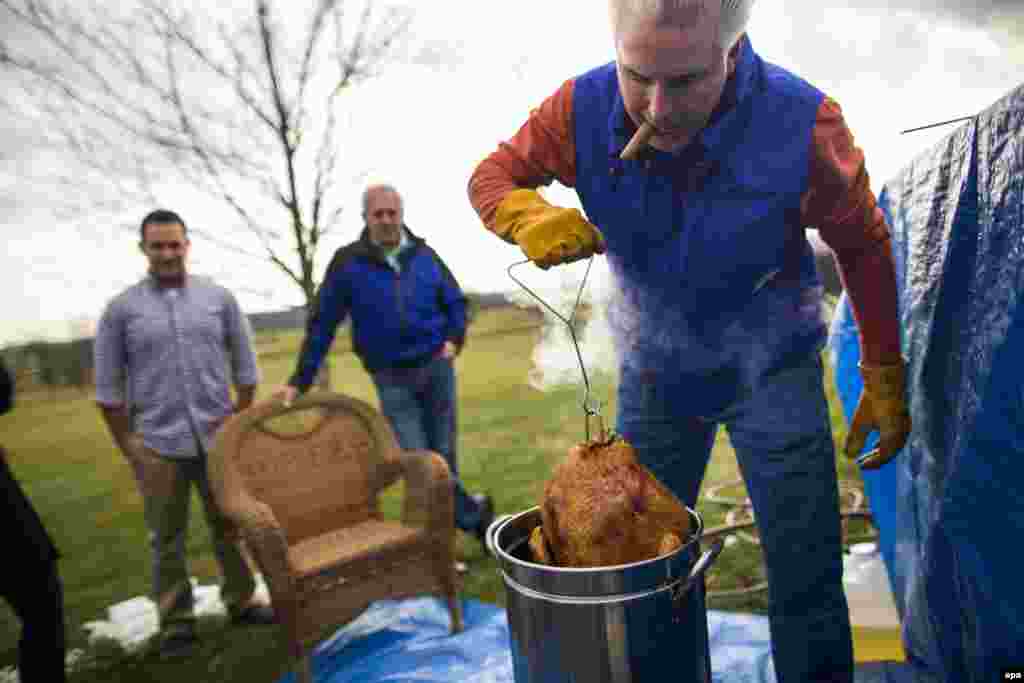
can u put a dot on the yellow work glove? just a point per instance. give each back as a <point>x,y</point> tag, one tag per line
<point>547,234</point>
<point>882,406</point>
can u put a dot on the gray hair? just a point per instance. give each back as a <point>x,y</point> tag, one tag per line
<point>735,14</point>
<point>377,187</point>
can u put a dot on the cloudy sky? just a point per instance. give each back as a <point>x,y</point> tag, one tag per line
<point>892,65</point>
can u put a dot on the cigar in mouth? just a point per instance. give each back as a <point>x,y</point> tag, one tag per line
<point>639,140</point>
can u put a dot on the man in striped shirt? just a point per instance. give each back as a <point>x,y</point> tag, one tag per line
<point>167,351</point>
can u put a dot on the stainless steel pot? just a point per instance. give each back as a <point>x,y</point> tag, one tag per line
<point>633,623</point>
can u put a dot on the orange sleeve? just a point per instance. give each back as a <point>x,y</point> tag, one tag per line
<point>543,150</point>
<point>840,203</point>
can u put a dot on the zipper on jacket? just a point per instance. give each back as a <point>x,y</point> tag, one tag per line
<point>401,304</point>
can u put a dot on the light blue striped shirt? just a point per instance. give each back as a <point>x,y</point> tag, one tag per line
<point>166,353</point>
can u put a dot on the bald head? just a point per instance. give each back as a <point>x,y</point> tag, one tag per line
<point>727,18</point>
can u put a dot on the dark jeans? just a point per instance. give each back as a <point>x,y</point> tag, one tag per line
<point>420,404</point>
<point>38,599</point>
<point>783,441</point>
<point>30,583</point>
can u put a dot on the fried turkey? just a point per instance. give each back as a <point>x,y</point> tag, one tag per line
<point>601,507</point>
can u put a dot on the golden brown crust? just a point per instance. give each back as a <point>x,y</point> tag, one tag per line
<point>601,507</point>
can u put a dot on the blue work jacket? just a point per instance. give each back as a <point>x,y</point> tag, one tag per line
<point>399,318</point>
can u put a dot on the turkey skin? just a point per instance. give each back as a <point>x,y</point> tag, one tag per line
<point>602,508</point>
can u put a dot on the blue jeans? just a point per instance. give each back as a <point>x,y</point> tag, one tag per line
<point>420,404</point>
<point>783,441</point>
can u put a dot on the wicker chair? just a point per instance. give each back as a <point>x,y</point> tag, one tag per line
<point>306,506</point>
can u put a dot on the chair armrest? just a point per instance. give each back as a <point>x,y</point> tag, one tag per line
<point>253,517</point>
<point>228,487</point>
<point>263,536</point>
<point>429,491</point>
<point>250,518</point>
<point>266,540</point>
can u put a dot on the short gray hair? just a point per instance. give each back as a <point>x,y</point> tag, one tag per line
<point>377,187</point>
<point>735,14</point>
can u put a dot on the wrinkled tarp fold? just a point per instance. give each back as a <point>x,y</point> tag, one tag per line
<point>408,641</point>
<point>950,508</point>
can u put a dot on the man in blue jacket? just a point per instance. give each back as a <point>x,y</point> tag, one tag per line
<point>408,324</point>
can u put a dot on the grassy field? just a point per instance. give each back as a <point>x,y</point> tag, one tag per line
<point>509,436</point>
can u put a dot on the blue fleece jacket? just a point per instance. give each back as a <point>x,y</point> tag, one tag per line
<point>399,319</point>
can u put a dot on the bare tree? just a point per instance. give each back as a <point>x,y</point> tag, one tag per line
<point>243,102</point>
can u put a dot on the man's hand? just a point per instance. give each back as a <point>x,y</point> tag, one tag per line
<point>547,234</point>
<point>132,448</point>
<point>128,441</point>
<point>882,406</point>
<point>286,395</point>
<point>448,351</point>
<point>246,395</point>
<point>132,444</point>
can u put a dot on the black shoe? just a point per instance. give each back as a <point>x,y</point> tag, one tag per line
<point>486,504</point>
<point>178,640</point>
<point>255,615</point>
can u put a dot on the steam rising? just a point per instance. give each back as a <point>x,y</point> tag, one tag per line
<point>555,363</point>
<point>652,334</point>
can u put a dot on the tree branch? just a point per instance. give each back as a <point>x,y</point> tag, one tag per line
<point>165,93</point>
<point>284,129</point>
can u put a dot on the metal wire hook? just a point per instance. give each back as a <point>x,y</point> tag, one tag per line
<point>591,406</point>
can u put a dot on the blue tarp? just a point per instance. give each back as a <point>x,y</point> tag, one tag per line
<point>950,508</point>
<point>407,641</point>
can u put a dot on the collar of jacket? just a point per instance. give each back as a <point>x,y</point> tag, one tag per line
<point>371,251</point>
<point>725,117</point>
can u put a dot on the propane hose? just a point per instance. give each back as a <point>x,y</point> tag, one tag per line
<point>739,523</point>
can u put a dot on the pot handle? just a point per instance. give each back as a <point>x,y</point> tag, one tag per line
<point>489,534</point>
<point>699,568</point>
